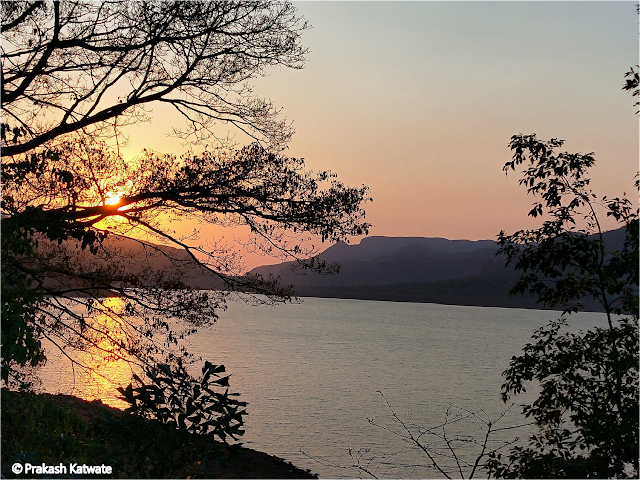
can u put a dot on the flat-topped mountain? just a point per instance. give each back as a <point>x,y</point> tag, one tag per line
<point>388,260</point>
<point>418,269</point>
<point>373,247</point>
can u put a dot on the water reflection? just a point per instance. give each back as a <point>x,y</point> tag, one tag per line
<point>102,365</point>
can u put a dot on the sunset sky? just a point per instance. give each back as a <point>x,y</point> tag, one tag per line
<point>418,100</point>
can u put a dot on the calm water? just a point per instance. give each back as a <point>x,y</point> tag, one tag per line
<point>311,373</point>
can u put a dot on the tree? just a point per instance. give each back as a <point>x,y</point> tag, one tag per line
<point>74,73</point>
<point>587,409</point>
<point>94,66</point>
<point>450,454</point>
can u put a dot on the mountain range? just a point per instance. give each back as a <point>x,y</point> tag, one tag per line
<point>417,269</point>
<point>404,269</point>
<point>389,260</point>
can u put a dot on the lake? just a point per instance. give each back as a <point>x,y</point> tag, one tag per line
<point>311,373</point>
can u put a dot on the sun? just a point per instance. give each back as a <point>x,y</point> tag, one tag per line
<point>112,199</point>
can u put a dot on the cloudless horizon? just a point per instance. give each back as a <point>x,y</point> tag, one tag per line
<point>418,100</point>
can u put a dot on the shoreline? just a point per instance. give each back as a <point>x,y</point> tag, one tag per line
<point>81,415</point>
<point>408,298</point>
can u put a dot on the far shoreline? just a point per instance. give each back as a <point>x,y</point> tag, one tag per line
<point>455,292</point>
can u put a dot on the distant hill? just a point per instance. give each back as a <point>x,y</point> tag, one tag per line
<point>388,260</point>
<point>417,269</point>
<point>146,256</point>
<point>402,269</point>
<point>124,256</point>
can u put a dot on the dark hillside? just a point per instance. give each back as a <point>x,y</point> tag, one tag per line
<point>416,269</point>
<point>388,260</point>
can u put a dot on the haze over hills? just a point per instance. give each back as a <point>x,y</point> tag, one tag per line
<point>154,258</point>
<point>124,256</point>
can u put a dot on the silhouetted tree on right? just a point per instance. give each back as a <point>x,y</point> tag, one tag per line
<point>587,410</point>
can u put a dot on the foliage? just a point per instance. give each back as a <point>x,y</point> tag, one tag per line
<point>20,343</point>
<point>74,73</point>
<point>184,410</point>
<point>587,410</point>
<point>190,405</point>
<point>561,262</point>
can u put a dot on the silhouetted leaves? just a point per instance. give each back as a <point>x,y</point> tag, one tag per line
<point>587,409</point>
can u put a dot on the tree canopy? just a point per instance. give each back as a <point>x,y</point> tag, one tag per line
<point>73,74</point>
<point>75,65</point>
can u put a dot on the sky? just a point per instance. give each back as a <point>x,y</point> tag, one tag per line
<point>418,100</point>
